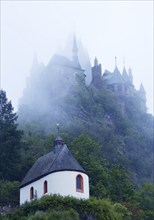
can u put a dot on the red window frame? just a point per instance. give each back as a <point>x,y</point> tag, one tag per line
<point>45,186</point>
<point>31,193</point>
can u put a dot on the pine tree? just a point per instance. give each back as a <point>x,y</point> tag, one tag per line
<point>10,139</point>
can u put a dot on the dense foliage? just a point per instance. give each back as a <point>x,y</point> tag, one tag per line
<point>9,193</point>
<point>49,207</point>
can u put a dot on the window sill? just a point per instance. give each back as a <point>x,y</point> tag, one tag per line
<point>79,190</point>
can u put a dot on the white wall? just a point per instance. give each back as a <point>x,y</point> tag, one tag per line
<point>62,183</point>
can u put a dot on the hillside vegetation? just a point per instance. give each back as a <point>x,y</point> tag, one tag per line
<point>114,148</point>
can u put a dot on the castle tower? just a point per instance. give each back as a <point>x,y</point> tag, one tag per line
<point>117,81</point>
<point>75,54</point>
<point>126,80</point>
<point>96,75</point>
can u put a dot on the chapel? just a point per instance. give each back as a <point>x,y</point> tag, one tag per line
<point>57,172</point>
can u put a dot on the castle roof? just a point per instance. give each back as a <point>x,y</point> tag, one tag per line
<point>116,77</point>
<point>106,73</point>
<point>125,75</point>
<point>141,89</point>
<point>55,161</point>
<point>63,61</point>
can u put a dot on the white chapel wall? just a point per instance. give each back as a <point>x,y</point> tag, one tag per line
<point>62,183</point>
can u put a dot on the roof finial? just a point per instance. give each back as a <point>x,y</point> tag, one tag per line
<point>115,61</point>
<point>58,129</point>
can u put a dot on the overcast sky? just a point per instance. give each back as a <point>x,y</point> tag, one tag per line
<point>106,28</point>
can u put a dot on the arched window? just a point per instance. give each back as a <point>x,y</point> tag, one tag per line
<point>45,187</point>
<point>31,193</point>
<point>79,183</point>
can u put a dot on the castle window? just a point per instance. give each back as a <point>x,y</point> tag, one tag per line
<point>45,187</point>
<point>79,183</point>
<point>31,193</point>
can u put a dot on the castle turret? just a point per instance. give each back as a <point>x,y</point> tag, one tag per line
<point>116,80</point>
<point>96,74</point>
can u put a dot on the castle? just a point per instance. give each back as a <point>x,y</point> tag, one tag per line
<point>120,84</point>
<point>64,72</point>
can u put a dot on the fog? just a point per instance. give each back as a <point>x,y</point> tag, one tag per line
<point>105,30</point>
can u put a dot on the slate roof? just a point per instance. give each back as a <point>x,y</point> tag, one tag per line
<point>64,61</point>
<point>61,60</point>
<point>107,74</point>
<point>54,161</point>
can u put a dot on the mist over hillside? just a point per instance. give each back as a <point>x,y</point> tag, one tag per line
<point>109,109</point>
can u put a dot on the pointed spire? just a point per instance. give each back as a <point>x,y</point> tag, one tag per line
<point>125,75</point>
<point>117,77</point>
<point>124,72</point>
<point>75,53</point>
<point>95,62</point>
<point>116,70</point>
<point>75,49</point>
<point>141,89</point>
<point>142,93</point>
<point>130,75</point>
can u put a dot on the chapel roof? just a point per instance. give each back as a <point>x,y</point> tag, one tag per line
<point>61,160</point>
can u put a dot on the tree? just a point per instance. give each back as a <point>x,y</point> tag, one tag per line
<point>145,197</point>
<point>10,138</point>
<point>9,193</point>
<point>121,188</point>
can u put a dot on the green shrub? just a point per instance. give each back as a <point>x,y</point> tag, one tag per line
<point>68,208</point>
